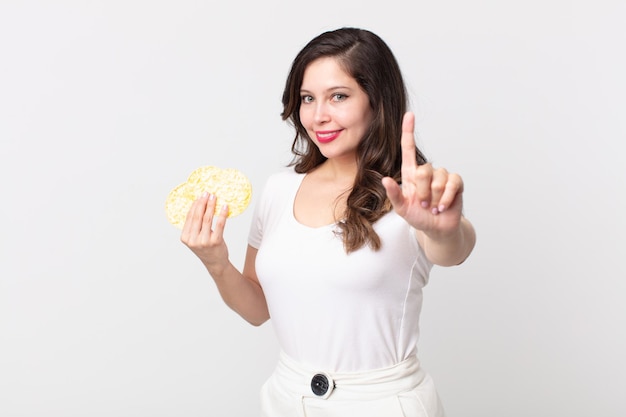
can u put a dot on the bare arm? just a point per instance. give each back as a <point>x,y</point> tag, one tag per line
<point>451,249</point>
<point>240,291</point>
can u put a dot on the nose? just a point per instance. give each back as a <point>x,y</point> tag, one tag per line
<point>321,113</point>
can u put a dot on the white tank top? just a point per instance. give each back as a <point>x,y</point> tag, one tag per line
<point>331,310</point>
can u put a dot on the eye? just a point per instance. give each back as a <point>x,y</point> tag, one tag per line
<point>339,97</point>
<point>306,99</point>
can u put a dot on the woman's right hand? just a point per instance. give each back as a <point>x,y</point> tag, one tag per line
<point>203,237</point>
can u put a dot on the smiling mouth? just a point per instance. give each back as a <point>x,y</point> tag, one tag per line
<point>325,137</point>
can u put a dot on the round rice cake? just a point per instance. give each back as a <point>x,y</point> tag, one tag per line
<point>230,187</point>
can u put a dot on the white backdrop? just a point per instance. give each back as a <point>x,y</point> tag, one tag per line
<point>106,105</point>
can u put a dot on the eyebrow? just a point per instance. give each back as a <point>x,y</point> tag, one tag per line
<point>339,87</point>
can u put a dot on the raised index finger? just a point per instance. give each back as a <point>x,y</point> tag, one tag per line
<point>407,141</point>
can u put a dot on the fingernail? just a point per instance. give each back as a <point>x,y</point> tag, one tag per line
<point>441,208</point>
<point>435,210</point>
<point>225,208</point>
<point>211,197</point>
<point>425,204</point>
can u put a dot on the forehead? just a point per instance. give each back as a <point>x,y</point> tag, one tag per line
<point>325,72</point>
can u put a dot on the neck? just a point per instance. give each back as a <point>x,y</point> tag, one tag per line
<point>336,170</point>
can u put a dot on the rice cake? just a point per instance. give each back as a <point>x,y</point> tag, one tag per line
<point>230,187</point>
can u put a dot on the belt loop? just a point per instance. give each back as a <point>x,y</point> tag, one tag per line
<point>302,408</point>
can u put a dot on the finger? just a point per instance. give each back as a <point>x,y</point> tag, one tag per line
<point>422,179</point>
<point>394,192</point>
<point>453,189</point>
<point>437,187</point>
<point>220,222</point>
<point>187,224</point>
<point>194,216</point>
<point>207,216</point>
<point>407,142</point>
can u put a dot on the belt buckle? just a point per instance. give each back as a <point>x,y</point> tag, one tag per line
<point>322,385</point>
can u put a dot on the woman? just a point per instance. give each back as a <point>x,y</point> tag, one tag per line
<point>342,243</point>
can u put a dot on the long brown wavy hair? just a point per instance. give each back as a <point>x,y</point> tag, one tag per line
<point>368,59</point>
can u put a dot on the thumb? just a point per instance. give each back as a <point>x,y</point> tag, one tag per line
<point>394,192</point>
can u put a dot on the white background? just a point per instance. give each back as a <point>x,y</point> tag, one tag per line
<point>107,105</point>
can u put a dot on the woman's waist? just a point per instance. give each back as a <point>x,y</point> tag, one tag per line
<point>307,380</point>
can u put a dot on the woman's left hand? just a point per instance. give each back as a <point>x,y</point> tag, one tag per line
<point>429,199</point>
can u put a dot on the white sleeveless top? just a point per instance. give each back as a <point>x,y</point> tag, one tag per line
<point>335,311</point>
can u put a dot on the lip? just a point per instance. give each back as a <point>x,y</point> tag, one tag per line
<point>326,136</point>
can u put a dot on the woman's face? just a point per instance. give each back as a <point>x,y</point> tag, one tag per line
<point>334,110</point>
